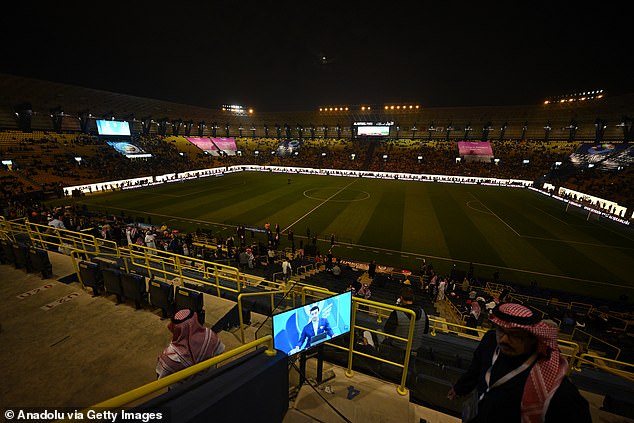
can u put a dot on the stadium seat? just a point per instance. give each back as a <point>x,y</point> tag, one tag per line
<point>106,263</point>
<point>187,298</point>
<point>232,319</point>
<point>91,276</point>
<point>433,390</point>
<point>7,252</point>
<point>112,282</point>
<point>162,296</point>
<point>21,254</point>
<point>40,262</point>
<point>134,288</point>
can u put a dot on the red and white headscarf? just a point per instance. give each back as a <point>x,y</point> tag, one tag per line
<point>191,344</point>
<point>550,368</point>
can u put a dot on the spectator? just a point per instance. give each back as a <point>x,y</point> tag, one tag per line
<point>398,321</point>
<point>150,241</point>
<point>441,289</point>
<point>174,245</point>
<point>519,374</point>
<point>364,292</point>
<point>56,223</point>
<point>364,342</point>
<point>372,269</point>
<point>191,343</point>
<point>336,270</point>
<point>465,285</point>
<point>243,259</point>
<point>250,258</point>
<point>287,270</point>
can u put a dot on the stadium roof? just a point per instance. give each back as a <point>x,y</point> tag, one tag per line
<point>301,57</point>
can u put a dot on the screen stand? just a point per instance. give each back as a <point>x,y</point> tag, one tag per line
<point>320,364</point>
<point>303,358</point>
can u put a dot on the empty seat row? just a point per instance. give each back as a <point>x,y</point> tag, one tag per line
<point>133,286</point>
<point>29,258</point>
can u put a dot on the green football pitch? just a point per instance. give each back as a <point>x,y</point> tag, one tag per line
<point>526,237</point>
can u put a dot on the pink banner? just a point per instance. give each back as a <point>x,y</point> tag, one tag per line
<point>204,144</point>
<point>225,144</point>
<point>470,148</point>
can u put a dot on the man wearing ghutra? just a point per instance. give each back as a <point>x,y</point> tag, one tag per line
<point>519,374</point>
<point>191,343</point>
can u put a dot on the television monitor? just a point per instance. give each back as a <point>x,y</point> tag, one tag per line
<point>303,327</point>
<point>113,127</point>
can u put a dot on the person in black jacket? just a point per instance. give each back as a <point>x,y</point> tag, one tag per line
<point>398,322</point>
<point>519,374</point>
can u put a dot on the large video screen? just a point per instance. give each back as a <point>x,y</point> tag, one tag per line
<point>373,131</point>
<point>129,150</point>
<point>470,148</point>
<point>113,127</point>
<point>605,156</point>
<point>304,327</point>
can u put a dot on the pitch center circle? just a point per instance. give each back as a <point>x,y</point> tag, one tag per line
<point>325,194</point>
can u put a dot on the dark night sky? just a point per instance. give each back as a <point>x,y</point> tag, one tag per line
<point>269,54</point>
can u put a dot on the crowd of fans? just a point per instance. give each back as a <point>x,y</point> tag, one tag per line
<point>46,161</point>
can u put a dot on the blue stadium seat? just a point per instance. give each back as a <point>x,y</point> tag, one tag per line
<point>21,254</point>
<point>112,282</point>
<point>162,296</point>
<point>91,276</point>
<point>40,262</point>
<point>134,288</point>
<point>188,298</point>
<point>7,252</point>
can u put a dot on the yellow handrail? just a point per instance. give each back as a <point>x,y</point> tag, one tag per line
<point>149,388</point>
<point>254,294</point>
<point>401,389</point>
<point>598,363</point>
<point>591,337</point>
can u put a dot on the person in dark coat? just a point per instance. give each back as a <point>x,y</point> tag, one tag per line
<point>518,373</point>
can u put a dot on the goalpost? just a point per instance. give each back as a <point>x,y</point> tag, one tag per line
<point>590,217</point>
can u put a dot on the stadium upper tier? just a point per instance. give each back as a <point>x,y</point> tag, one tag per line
<point>31,104</point>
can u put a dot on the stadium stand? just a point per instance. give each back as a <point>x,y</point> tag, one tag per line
<point>43,160</point>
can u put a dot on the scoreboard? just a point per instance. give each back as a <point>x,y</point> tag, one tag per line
<point>372,129</point>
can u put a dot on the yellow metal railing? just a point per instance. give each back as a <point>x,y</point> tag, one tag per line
<point>152,387</point>
<point>356,301</point>
<point>8,228</point>
<point>618,368</point>
<point>588,339</point>
<point>254,294</point>
<point>170,265</point>
<point>457,314</point>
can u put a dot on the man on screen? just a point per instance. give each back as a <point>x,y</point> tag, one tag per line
<point>316,326</point>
